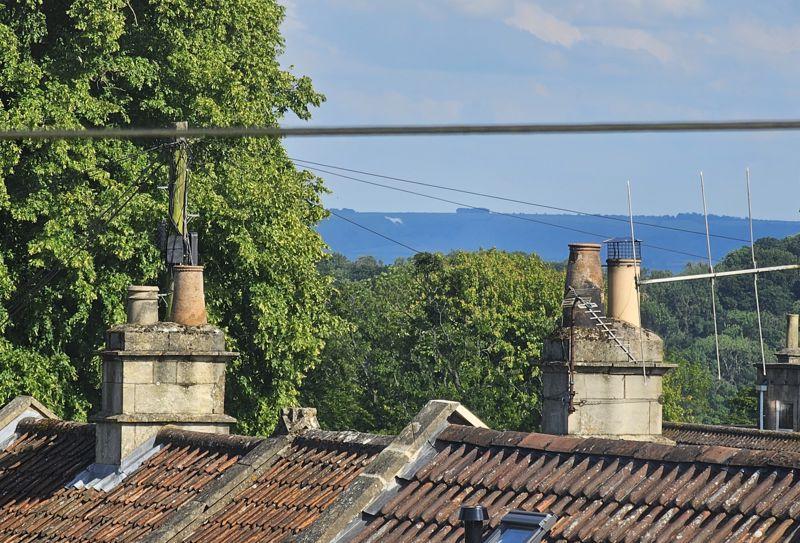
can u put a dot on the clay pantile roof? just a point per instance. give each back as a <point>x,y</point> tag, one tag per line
<point>35,468</point>
<point>292,492</point>
<point>601,490</point>
<point>732,436</point>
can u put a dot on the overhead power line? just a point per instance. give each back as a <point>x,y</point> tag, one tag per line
<point>513,216</point>
<point>368,229</point>
<point>516,201</point>
<point>404,130</point>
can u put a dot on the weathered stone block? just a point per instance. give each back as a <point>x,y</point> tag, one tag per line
<point>169,398</point>
<point>612,418</point>
<point>656,417</point>
<point>189,373</point>
<point>112,371</point>
<point>137,371</point>
<point>107,449</point>
<point>165,371</point>
<point>590,386</point>
<point>197,339</point>
<point>637,387</point>
<point>127,403</point>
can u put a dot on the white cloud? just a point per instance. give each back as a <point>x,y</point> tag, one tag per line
<point>551,29</point>
<point>545,26</point>
<point>631,39</point>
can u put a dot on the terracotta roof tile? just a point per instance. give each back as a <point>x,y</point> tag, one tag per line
<point>293,491</point>
<point>35,468</point>
<point>602,490</point>
<point>731,436</point>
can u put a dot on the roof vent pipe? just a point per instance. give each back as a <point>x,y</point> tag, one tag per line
<point>142,306</point>
<point>473,517</point>
<point>188,299</point>
<point>792,321</point>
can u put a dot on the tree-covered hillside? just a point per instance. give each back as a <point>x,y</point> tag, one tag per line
<point>681,314</point>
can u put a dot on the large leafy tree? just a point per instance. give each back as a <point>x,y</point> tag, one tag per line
<point>465,327</point>
<point>90,63</point>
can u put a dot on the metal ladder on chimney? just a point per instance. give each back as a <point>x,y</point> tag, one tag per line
<point>600,320</point>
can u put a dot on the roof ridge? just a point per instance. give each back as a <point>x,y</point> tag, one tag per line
<point>638,450</point>
<point>346,437</point>
<point>53,427</point>
<point>735,430</point>
<point>238,444</point>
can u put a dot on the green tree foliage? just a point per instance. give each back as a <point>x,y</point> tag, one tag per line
<point>681,314</point>
<point>89,63</point>
<point>464,327</point>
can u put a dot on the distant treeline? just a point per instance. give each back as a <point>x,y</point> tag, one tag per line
<point>468,326</point>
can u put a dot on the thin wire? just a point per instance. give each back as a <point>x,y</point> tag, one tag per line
<point>518,217</point>
<point>403,130</point>
<point>368,229</point>
<point>713,283</point>
<point>755,275</point>
<point>514,200</point>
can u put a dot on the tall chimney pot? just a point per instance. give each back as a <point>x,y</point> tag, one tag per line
<point>142,305</point>
<point>188,299</point>
<point>623,303</point>
<point>585,276</point>
<point>792,321</point>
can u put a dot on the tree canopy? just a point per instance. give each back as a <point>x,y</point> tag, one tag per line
<point>466,327</point>
<point>89,63</point>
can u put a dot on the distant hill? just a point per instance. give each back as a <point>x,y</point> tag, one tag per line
<point>470,229</point>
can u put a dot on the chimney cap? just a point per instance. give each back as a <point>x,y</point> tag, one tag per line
<point>581,246</point>
<point>473,513</point>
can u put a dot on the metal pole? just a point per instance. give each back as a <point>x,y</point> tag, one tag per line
<point>677,278</point>
<point>755,276</point>
<point>711,270</point>
<point>178,200</point>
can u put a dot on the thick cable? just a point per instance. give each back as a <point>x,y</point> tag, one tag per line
<point>403,130</point>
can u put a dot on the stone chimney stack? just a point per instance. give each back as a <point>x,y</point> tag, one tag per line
<point>159,373</point>
<point>779,396</point>
<point>593,368</point>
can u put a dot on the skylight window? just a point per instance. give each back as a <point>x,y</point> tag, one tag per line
<point>522,527</point>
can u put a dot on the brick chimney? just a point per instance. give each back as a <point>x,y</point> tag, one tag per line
<point>593,379</point>
<point>159,373</point>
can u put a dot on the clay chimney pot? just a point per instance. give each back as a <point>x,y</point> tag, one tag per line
<point>188,300</point>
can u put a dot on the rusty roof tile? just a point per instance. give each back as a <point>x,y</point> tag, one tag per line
<point>601,491</point>
<point>35,468</point>
<point>291,493</point>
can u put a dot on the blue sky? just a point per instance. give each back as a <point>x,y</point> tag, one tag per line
<point>461,61</point>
